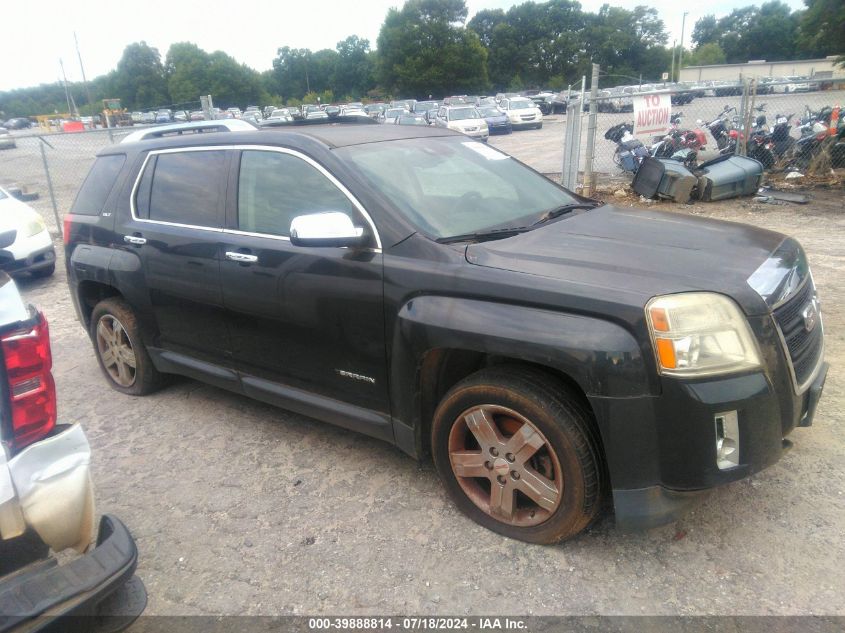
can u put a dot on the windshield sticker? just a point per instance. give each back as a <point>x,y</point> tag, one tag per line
<point>487,152</point>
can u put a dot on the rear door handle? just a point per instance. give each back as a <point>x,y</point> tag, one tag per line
<point>134,239</point>
<point>241,257</point>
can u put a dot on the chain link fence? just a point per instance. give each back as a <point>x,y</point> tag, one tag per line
<point>52,167</point>
<point>718,114</point>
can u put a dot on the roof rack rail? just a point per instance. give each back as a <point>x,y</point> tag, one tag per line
<point>194,127</point>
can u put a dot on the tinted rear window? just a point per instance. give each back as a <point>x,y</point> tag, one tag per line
<point>98,185</point>
<point>185,188</point>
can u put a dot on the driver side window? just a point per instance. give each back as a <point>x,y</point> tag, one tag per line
<point>274,188</point>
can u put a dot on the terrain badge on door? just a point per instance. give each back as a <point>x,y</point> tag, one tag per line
<point>354,376</point>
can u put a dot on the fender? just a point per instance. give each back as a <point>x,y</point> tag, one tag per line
<point>603,358</point>
<point>119,268</point>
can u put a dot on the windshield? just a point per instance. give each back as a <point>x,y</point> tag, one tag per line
<point>449,186</point>
<point>460,114</point>
<point>490,111</point>
<point>521,105</point>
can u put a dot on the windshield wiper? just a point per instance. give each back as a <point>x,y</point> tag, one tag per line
<point>480,236</point>
<point>551,214</point>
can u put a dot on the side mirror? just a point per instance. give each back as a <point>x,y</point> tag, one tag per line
<point>8,238</point>
<point>330,228</point>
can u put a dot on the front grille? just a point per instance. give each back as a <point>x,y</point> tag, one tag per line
<point>804,348</point>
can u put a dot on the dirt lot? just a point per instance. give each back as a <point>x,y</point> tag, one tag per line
<point>238,507</point>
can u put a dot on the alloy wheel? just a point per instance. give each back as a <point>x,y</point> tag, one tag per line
<point>116,351</point>
<point>505,465</point>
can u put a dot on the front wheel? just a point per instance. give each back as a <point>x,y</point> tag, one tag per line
<point>120,352</point>
<point>518,454</point>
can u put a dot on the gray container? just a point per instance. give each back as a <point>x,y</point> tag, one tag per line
<point>664,178</point>
<point>730,177</point>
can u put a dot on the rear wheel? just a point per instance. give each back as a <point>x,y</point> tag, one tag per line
<point>517,454</point>
<point>121,353</point>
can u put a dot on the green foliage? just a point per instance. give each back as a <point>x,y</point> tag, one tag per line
<point>139,79</point>
<point>355,67</point>
<point>774,32</point>
<point>424,49</point>
<point>706,55</point>
<point>822,28</point>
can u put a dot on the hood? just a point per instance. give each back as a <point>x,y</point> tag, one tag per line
<point>636,254</point>
<point>14,214</point>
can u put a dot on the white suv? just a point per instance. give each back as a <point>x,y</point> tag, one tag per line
<point>464,119</point>
<point>522,112</point>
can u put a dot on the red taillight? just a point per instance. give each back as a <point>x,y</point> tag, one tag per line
<point>32,391</point>
<point>66,229</point>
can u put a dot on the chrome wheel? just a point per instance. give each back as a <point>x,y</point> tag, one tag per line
<point>116,351</point>
<point>505,465</point>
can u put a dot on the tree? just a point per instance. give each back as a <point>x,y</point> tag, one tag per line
<point>706,55</point>
<point>139,79</point>
<point>821,30</point>
<point>706,31</point>
<point>353,72</point>
<point>425,49</point>
<point>484,22</point>
<point>187,69</point>
<point>233,84</point>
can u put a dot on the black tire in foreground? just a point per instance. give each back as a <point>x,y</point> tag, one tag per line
<point>518,453</point>
<point>120,352</point>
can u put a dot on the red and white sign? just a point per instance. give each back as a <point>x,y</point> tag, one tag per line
<point>652,114</point>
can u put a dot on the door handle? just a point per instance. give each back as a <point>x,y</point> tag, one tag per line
<point>241,257</point>
<point>134,239</point>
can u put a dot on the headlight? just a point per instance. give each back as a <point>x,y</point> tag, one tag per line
<point>34,227</point>
<point>700,334</point>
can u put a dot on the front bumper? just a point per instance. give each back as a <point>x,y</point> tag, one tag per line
<point>661,450</point>
<point>73,589</point>
<point>523,124</point>
<point>28,254</point>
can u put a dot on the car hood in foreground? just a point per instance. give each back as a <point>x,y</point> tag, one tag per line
<point>639,254</point>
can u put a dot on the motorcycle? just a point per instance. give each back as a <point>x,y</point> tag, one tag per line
<point>630,151</point>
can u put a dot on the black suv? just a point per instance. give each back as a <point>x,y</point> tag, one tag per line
<point>432,292</point>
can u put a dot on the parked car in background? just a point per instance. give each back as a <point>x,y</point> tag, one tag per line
<point>196,115</point>
<point>312,112</point>
<point>46,496</point>
<point>279,116</point>
<point>164,116</point>
<point>410,118</point>
<point>375,110</point>
<point>408,104</point>
<point>180,116</point>
<point>148,117</point>
<point>497,121</point>
<point>31,249</point>
<point>464,119</point>
<point>137,117</point>
<point>522,112</point>
<point>7,141</point>
<point>18,123</point>
<point>390,115</point>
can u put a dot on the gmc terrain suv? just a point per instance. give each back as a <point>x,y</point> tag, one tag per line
<point>430,291</point>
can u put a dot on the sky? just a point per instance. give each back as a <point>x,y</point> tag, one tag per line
<point>36,38</point>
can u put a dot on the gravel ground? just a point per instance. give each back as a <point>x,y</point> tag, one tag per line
<point>241,508</point>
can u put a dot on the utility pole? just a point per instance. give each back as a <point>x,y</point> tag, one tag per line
<point>71,104</point>
<point>681,52</point>
<point>82,68</point>
<point>672,73</point>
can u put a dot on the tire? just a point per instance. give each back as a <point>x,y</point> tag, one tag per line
<point>540,126</point>
<point>561,450</point>
<point>125,337</point>
<point>44,272</point>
